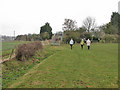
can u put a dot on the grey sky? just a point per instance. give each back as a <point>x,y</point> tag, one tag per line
<point>27,16</point>
<point>119,7</point>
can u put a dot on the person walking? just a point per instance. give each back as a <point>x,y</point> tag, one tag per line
<point>82,43</point>
<point>71,43</point>
<point>88,44</point>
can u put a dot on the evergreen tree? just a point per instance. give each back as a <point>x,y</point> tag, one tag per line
<point>46,28</point>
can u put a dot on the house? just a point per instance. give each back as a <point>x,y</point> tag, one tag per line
<point>57,38</point>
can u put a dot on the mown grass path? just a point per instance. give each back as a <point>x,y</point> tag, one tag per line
<point>96,68</point>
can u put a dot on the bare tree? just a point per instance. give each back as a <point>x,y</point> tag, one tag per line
<point>69,25</point>
<point>89,24</point>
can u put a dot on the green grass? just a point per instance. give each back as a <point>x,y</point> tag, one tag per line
<point>14,69</point>
<point>65,68</point>
<point>7,52</point>
<point>8,46</point>
<point>11,44</point>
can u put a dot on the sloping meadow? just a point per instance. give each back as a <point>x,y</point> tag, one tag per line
<point>17,67</point>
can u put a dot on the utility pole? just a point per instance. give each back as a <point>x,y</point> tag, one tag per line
<point>14,34</point>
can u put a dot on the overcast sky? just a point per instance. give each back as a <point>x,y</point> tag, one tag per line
<point>27,16</point>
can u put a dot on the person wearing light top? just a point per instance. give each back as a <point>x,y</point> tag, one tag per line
<point>82,43</point>
<point>88,43</point>
<point>71,43</point>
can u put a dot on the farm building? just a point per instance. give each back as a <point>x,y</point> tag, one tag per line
<point>57,38</point>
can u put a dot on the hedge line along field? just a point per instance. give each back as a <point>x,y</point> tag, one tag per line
<point>8,46</point>
<point>65,68</point>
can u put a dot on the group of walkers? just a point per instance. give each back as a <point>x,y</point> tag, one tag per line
<point>81,43</point>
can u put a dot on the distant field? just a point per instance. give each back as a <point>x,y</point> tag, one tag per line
<point>8,46</point>
<point>11,44</point>
<point>65,68</point>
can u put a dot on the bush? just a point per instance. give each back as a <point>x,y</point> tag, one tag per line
<point>88,36</point>
<point>102,41</point>
<point>71,34</point>
<point>28,50</point>
<point>110,38</point>
<point>95,39</point>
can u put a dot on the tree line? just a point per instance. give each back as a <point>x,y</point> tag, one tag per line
<point>45,33</point>
<point>89,29</point>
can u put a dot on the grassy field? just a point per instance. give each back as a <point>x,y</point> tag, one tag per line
<point>60,67</point>
<point>11,44</point>
<point>8,46</point>
<point>13,69</point>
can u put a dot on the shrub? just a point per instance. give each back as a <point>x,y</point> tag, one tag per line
<point>110,38</point>
<point>88,36</point>
<point>28,50</point>
<point>102,41</point>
